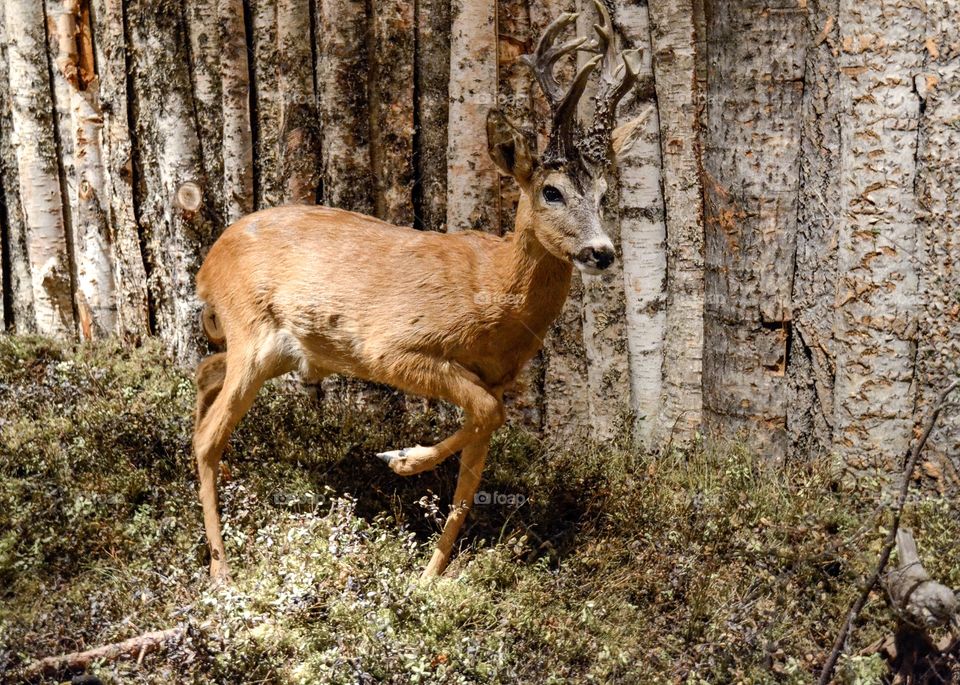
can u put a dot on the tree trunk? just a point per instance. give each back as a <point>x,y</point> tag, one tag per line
<point>674,52</point>
<point>876,298</point>
<point>286,149</point>
<point>642,234</point>
<point>755,84</point>
<point>237,152</point>
<point>34,139</point>
<point>938,356</point>
<point>206,60</point>
<point>344,106</point>
<point>19,314</point>
<point>129,270</point>
<point>173,214</point>
<point>391,106</point>
<point>432,68</point>
<point>95,298</point>
<point>473,182</point>
<point>810,416</point>
<point>300,150</point>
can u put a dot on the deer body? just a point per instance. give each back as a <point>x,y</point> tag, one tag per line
<point>472,299</point>
<point>451,316</point>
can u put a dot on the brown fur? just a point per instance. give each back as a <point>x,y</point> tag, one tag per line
<point>454,316</point>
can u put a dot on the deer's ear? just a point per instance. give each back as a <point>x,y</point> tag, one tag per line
<point>509,148</point>
<point>625,135</point>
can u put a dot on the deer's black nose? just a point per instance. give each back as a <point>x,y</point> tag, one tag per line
<point>598,257</point>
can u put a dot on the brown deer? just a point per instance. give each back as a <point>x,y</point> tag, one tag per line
<point>452,316</point>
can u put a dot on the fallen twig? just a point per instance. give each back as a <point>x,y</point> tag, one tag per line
<point>889,543</point>
<point>135,647</point>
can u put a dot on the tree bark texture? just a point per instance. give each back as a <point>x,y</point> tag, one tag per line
<point>786,223</point>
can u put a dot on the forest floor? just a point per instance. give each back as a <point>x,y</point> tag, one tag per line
<point>591,563</point>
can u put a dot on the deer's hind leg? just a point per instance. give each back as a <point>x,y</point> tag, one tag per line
<point>227,384</point>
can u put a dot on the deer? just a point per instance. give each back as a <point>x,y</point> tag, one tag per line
<point>451,316</point>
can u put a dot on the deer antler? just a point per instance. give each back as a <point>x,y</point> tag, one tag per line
<point>561,146</point>
<point>617,76</point>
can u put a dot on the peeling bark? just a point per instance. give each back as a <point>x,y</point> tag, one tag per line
<point>129,270</point>
<point>751,142</point>
<point>473,183</point>
<point>94,296</point>
<point>673,38</point>
<point>175,232</point>
<point>33,139</point>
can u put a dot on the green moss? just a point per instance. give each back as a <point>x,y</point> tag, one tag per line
<point>618,567</point>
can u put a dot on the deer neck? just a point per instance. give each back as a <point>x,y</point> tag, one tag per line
<point>536,282</point>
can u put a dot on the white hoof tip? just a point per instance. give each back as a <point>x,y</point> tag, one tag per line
<point>388,457</point>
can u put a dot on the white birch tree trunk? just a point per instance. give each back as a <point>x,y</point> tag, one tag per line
<point>94,294</point>
<point>811,372</point>
<point>129,270</point>
<point>207,61</point>
<point>938,187</point>
<point>644,260</point>
<point>33,118</point>
<point>392,110</point>
<point>298,138</point>
<point>473,182</point>
<point>18,289</point>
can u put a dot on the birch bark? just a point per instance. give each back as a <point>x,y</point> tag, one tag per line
<point>628,360</point>
<point>129,269</point>
<point>344,105</point>
<point>94,295</point>
<point>938,354</point>
<point>173,210</point>
<point>18,289</point>
<point>237,151</point>
<point>34,140</point>
<point>392,102</point>
<point>473,187</point>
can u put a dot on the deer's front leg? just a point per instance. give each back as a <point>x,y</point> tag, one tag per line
<point>483,408</point>
<point>471,468</point>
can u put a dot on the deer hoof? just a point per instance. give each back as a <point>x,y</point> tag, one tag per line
<point>388,457</point>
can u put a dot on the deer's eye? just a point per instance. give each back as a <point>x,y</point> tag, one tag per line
<point>552,195</point>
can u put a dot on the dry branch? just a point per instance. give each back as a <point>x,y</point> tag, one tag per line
<point>77,661</point>
<point>889,542</point>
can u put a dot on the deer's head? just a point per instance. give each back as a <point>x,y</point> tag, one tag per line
<point>564,187</point>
